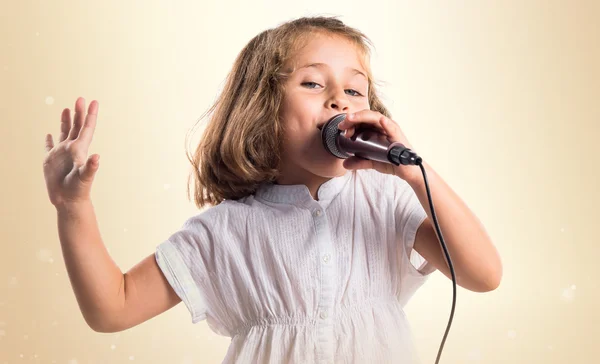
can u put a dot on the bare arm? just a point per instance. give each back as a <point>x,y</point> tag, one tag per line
<point>475,259</point>
<point>109,300</point>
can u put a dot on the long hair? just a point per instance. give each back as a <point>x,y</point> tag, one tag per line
<point>241,144</point>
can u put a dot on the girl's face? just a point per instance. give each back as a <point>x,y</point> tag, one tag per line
<point>329,79</point>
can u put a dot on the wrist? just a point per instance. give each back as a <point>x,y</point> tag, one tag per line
<point>415,177</point>
<point>69,208</point>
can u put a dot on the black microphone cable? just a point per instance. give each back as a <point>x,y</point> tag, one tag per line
<point>399,154</point>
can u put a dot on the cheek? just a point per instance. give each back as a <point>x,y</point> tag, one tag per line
<point>299,120</point>
<point>299,141</point>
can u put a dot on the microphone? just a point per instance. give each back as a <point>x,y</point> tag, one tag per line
<point>366,143</point>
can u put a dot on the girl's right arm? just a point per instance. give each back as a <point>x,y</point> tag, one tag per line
<point>108,299</point>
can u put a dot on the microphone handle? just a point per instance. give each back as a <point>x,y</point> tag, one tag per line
<point>372,145</point>
<point>366,144</point>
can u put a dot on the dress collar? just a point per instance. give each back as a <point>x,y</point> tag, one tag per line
<point>299,194</point>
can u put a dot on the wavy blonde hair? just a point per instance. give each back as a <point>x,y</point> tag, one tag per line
<point>241,144</point>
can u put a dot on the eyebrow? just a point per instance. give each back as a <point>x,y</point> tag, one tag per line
<point>320,65</point>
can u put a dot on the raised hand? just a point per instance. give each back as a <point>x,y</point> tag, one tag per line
<point>68,170</point>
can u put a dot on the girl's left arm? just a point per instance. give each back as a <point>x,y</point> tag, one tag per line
<point>475,260</point>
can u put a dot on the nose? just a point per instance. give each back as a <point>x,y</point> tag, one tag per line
<point>338,101</point>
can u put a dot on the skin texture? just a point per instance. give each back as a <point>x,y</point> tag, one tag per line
<point>333,82</point>
<point>313,95</point>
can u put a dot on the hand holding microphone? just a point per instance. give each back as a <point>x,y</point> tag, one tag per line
<point>371,141</point>
<point>382,146</point>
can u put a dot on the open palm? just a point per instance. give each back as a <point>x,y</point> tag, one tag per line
<point>68,170</point>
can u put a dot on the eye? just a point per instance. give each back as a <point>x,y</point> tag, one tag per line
<point>309,83</point>
<point>357,93</point>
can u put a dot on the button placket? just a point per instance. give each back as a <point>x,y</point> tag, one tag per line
<point>325,333</point>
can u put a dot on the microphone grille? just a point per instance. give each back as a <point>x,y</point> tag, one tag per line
<point>329,134</point>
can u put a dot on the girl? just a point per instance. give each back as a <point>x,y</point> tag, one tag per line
<point>302,257</point>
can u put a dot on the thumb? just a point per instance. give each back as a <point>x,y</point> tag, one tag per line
<point>357,163</point>
<point>90,167</point>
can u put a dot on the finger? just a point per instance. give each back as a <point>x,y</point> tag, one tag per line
<point>357,163</point>
<point>87,132</point>
<point>49,143</point>
<point>354,163</point>
<point>65,124</point>
<point>348,133</point>
<point>88,170</point>
<point>389,126</point>
<point>362,118</point>
<point>393,130</point>
<point>79,115</point>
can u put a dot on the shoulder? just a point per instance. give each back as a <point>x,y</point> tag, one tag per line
<point>225,220</point>
<point>218,214</point>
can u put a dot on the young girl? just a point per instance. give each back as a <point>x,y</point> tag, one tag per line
<point>302,257</point>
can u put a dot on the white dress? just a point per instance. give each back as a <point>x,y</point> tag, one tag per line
<point>294,280</point>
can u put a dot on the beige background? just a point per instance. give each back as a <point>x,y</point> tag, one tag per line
<point>512,87</point>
